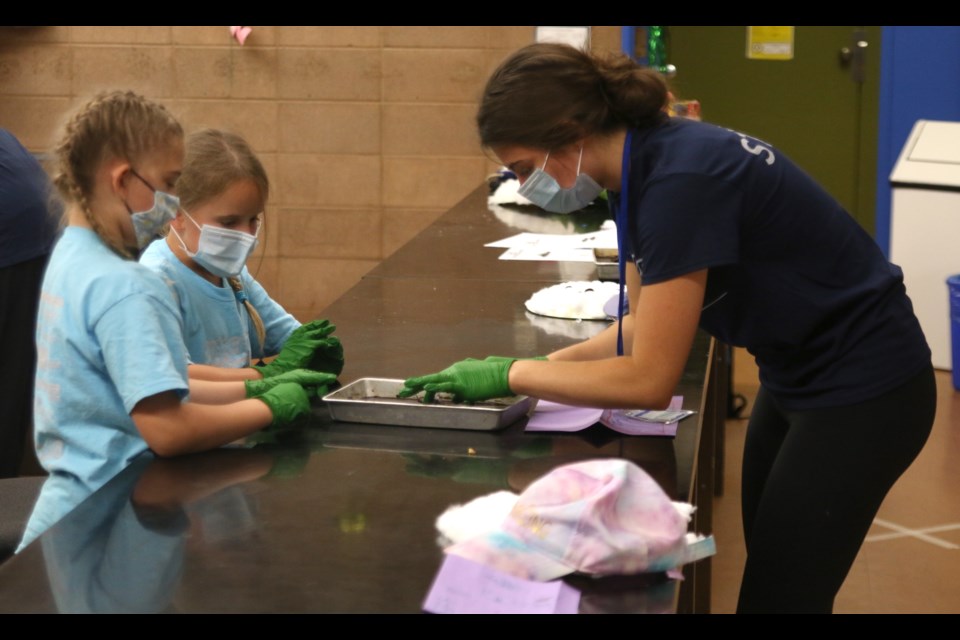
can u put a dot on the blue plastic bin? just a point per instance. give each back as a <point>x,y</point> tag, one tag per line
<point>953,284</point>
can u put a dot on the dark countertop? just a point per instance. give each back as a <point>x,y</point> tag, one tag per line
<point>332,517</point>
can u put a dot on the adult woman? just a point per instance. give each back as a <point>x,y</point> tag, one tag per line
<point>728,234</point>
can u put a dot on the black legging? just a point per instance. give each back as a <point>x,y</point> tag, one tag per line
<point>812,483</point>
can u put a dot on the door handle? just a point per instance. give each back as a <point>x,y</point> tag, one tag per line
<point>854,57</point>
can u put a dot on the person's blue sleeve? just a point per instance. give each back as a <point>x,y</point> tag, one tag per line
<point>143,348</point>
<point>685,223</point>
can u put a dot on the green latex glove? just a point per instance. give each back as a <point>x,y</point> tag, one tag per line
<point>315,383</point>
<point>328,356</point>
<point>287,401</point>
<point>300,348</point>
<point>321,327</point>
<point>467,381</point>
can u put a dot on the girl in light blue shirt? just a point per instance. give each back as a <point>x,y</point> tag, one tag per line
<point>229,318</point>
<point>112,380</point>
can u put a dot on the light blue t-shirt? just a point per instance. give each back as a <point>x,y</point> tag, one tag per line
<point>108,336</point>
<point>109,556</point>
<point>216,326</point>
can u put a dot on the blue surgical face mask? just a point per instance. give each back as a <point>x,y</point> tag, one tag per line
<point>543,190</point>
<point>149,224</point>
<point>222,252</point>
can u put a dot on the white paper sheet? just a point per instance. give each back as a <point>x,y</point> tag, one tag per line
<point>558,247</point>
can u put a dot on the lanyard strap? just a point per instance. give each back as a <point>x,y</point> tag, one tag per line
<point>621,222</point>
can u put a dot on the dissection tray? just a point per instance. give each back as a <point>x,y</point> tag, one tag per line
<point>375,401</point>
<point>608,265</point>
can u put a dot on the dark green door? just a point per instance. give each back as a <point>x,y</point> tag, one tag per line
<point>820,107</point>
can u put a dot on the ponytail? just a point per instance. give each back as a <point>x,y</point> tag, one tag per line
<point>241,295</point>
<point>548,95</point>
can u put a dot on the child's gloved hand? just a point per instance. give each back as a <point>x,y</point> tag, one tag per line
<point>288,401</point>
<point>467,381</point>
<point>301,347</point>
<point>320,328</point>
<point>315,383</point>
<point>328,356</point>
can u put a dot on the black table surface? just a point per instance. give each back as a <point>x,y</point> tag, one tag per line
<point>336,517</point>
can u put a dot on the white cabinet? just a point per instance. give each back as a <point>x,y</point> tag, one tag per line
<point>925,226</point>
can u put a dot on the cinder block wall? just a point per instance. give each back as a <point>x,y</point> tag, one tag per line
<point>367,132</point>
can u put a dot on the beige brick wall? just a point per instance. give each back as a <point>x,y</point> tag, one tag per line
<point>366,132</point>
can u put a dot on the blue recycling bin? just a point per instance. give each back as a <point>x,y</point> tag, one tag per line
<point>953,284</point>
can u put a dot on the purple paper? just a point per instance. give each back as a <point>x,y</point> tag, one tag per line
<point>463,586</point>
<point>553,416</point>
<point>618,421</point>
<point>610,307</point>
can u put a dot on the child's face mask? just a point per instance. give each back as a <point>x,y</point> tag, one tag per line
<point>222,252</point>
<point>149,224</point>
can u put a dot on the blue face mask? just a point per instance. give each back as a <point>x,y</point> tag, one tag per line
<point>149,224</point>
<point>544,191</point>
<point>222,252</point>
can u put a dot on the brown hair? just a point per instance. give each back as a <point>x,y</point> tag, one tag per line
<point>215,160</point>
<point>547,95</point>
<point>115,124</point>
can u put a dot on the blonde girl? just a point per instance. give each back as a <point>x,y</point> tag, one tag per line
<point>229,318</point>
<point>112,380</point>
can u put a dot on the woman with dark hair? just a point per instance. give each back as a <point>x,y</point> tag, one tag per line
<point>723,232</point>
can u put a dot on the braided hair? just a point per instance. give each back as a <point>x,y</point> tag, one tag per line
<point>114,124</point>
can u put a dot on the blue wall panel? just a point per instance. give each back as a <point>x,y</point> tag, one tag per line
<point>919,80</point>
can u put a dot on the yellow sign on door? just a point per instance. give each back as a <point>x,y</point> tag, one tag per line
<point>770,43</point>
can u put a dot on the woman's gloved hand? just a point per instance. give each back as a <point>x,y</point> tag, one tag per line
<point>309,342</point>
<point>315,383</point>
<point>467,381</point>
<point>287,401</point>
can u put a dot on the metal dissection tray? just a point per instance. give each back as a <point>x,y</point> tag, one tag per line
<point>375,401</point>
<point>608,265</point>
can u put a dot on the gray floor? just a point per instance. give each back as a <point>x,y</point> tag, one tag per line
<point>910,562</point>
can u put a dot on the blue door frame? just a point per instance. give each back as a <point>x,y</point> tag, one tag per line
<point>919,80</point>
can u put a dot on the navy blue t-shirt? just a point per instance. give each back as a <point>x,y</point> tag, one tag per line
<point>792,276</point>
<point>28,215</point>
